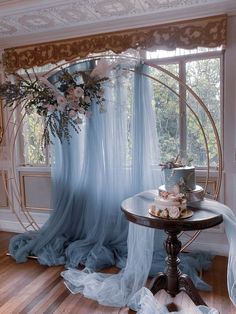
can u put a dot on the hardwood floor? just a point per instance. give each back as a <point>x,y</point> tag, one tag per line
<point>32,288</point>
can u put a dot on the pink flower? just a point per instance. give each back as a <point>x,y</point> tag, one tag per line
<point>164,194</point>
<point>61,100</point>
<point>101,70</point>
<point>51,108</point>
<point>88,114</point>
<point>70,90</point>
<point>87,99</point>
<point>78,92</point>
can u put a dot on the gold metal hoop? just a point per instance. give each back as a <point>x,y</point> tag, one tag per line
<point>30,221</point>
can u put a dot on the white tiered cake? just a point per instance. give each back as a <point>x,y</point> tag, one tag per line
<point>181,178</point>
<point>179,189</point>
<point>169,205</point>
<point>184,177</point>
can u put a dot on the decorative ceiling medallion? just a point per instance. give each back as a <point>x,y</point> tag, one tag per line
<point>205,32</point>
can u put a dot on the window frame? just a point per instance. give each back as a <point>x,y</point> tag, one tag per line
<point>181,61</point>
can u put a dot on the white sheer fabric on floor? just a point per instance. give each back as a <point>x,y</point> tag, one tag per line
<point>116,290</point>
<point>135,274</point>
<point>145,303</point>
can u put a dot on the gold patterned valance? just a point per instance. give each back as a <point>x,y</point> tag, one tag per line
<point>204,32</point>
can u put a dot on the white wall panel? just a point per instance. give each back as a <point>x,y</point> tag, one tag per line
<point>35,190</point>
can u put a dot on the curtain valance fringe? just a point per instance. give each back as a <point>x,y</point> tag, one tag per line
<point>202,32</point>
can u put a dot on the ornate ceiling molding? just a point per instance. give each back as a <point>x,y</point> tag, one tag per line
<point>204,32</point>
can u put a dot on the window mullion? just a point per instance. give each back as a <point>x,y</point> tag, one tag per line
<point>182,111</point>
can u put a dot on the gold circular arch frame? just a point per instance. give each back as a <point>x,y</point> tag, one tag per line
<point>13,127</point>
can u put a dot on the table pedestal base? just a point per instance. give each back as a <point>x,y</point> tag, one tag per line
<point>172,280</point>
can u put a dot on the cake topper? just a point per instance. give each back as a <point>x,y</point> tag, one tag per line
<point>176,162</point>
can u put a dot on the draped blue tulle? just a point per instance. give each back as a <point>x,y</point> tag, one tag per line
<point>115,156</point>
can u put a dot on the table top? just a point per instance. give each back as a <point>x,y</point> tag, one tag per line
<point>206,213</point>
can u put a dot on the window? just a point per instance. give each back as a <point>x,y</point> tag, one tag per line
<point>178,127</point>
<point>34,154</point>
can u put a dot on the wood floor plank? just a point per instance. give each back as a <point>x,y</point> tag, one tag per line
<point>30,288</point>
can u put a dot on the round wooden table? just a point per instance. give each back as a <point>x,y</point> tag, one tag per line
<point>172,279</point>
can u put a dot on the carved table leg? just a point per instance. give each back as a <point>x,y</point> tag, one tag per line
<point>172,246</point>
<point>186,284</point>
<point>159,283</point>
<point>172,280</point>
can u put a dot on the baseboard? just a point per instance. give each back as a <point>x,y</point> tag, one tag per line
<point>12,226</point>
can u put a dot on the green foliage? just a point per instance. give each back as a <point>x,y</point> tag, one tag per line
<point>203,76</point>
<point>166,106</point>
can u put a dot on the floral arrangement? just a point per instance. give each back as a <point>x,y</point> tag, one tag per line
<point>62,107</point>
<point>175,163</point>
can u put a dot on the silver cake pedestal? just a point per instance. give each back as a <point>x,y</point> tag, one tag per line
<point>194,196</point>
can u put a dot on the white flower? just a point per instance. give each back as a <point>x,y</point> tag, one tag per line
<point>81,110</point>
<point>72,113</point>
<point>78,120</point>
<point>78,92</point>
<point>174,212</point>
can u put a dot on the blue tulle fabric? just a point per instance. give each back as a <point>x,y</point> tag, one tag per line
<point>115,156</point>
